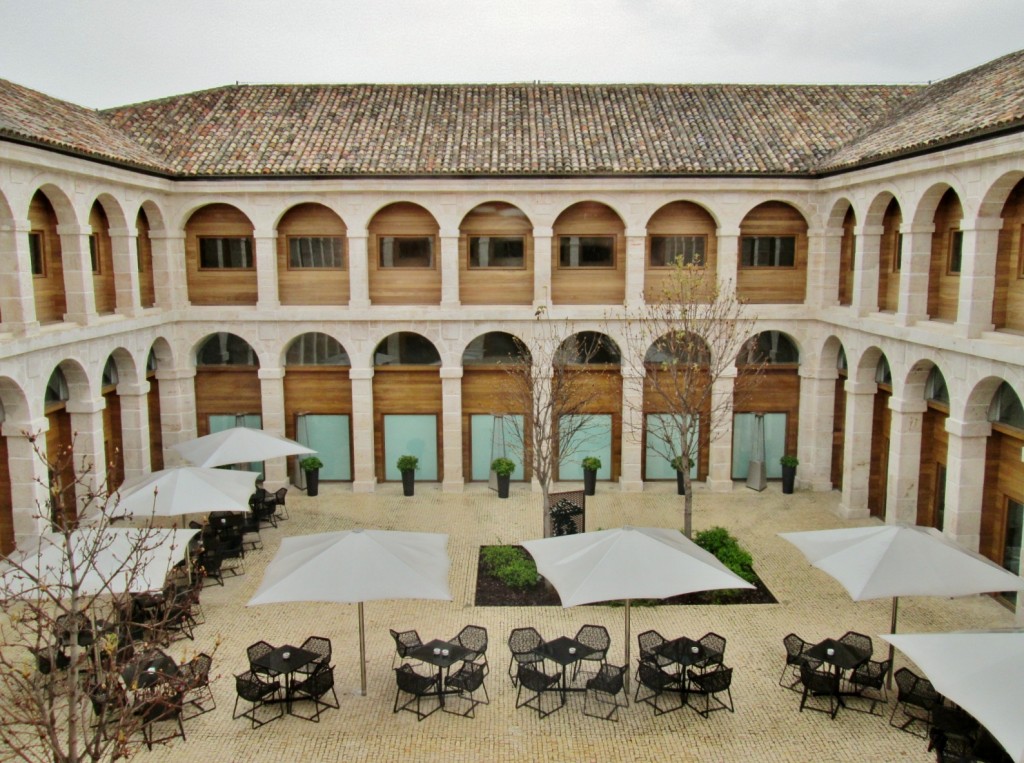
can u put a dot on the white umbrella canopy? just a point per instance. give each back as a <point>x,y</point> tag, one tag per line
<point>237,445</point>
<point>628,563</point>
<point>353,566</point>
<point>184,490</point>
<point>982,672</point>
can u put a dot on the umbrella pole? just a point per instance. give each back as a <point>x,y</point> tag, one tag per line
<point>626,677</point>
<point>892,629</point>
<point>362,652</point>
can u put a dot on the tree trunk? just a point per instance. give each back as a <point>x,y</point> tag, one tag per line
<point>688,506</point>
<point>680,483</point>
<point>408,482</point>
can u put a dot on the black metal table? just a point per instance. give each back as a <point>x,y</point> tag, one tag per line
<point>841,657</point>
<point>442,655</point>
<point>684,652</point>
<point>149,670</point>
<point>277,664</point>
<point>565,651</point>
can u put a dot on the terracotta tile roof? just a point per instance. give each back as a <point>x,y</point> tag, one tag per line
<point>28,115</point>
<point>976,102</point>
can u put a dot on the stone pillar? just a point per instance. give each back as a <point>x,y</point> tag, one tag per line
<point>358,270</point>
<point>720,458</point>
<point>965,480</point>
<point>364,477</point>
<point>453,480</point>
<point>631,465</point>
<point>29,475</point>
<point>978,278</point>
<point>865,273</point>
<point>170,282</point>
<point>125,253</point>
<point>904,459</point>
<point>134,427</point>
<point>817,423</point>
<point>542,238</point>
<point>90,461</point>
<point>823,266</point>
<point>272,409</point>
<point>636,254</point>
<point>917,255</point>
<point>860,407</point>
<point>17,292</point>
<point>449,272</point>
<point>177,410</point>
<point>78,286</point>
<point>727,267</point>
<point>265,257</point>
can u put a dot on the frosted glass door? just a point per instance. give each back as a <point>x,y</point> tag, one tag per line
<point>594,438</point>
<point>221,421</point>
<point>328,435</point>
<point>743,427</point>
<point>486,444</point>
<point>662,427</point>
<point>410,435</point>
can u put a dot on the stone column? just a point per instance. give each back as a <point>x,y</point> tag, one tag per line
<point>17,293</point>
<point>860,407</point>
<point>904,459</point>
<point>917,255</point>
<point>720,458</point>
<point>364,477</point>
<point>78,286</point>
<point>272,408</point>
<point>965,480</point>
<point>90,461</point>
<point>358,270</point>
<point>542,267</point>
<point>727,266</point>
<point>453,480</point>
<point>125,253</point>
<point>449,270</point>
<point>170,282</point>
<point>265,256</point>
<point>636,255</point>
<point>865,273</point>
<point>823,266</point>
<point>978,277</point>
<point>631,465</point>
<point>177,410</point>
<point>817,423</point>
<point>134,427</point>
<point>29,475</point>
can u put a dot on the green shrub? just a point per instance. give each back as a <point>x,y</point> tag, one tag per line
<point>720,542</point>
<point>511,565</point>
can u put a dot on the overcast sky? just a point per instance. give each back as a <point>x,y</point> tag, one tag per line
<point>102,53</point>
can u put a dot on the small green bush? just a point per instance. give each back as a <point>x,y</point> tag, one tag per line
<point>720,542</point>
<point>511,565</point>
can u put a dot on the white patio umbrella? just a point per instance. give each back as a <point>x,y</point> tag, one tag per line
<point>884,561</point>
<point>112,560</point>
<point>353,566</point>
<point>982,672</point>
<point>184,490</point>
<point>237,445</point>
<point>628,563</point>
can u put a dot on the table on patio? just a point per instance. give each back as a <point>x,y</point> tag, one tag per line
<point>285,661</point>
<point>840,656</point>
<point>565,651</point>
<point>149,670</point>
<point>442,655</point>
<point>684,652</point>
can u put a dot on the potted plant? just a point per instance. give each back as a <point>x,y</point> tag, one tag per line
<point>788,472</point>
<point>408,465</point>
<point>503,467</point>
<point>590,466</point>
<point>311,465</point>
<point>680,464</point>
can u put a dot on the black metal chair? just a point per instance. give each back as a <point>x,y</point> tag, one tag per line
<point>405,643</point>
<point>160,708</point>
<point>258,693</point>
<point>714,649</point>
<point>177,618</point>
<point>467,680</point>
<point>419,688</point>
<point>538,684</point>
<point>870,677</point>
<point>796,650</point>
<point>523,643</point>
<point>916,698</point>
<point>596,637</point>
<point>49,659</point>
<point>604,690</point>
<point>858,642</point>
<point>474,638</point>
<point>251,538</point>
<point>314,689</point>
<point>108,700</point>
<point>321,647</point>
<point>659,684</point>
<point>195,676</point>
<point>231,548</point>
<point>254,652</point>
<point>262,505</point>
<point>819,684</point>
<point>709,684</point>
<point>277,501</point>
<point>649,641</point>
<point>212,565</point>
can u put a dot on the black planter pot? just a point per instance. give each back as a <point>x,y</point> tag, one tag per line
<point>589,481</point>
<point>312,482</point>
<point>408,481</point>
<point>788,478</point>
<point>503,482</point>
<point>680,483</point>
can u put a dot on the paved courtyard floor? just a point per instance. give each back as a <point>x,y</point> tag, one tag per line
<point>765,727</point>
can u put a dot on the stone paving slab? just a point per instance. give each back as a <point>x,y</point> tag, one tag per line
<point>765,727</point>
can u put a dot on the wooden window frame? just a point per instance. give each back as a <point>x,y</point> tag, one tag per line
<point>744,266</point>
<point>249,246</point>
<point>39,256</point>
<point>956,252</point>
<point>341,253</point>
<point>469,252</point>
<point>702,237</point>
<point>603,266</point>
<point>380,252</point>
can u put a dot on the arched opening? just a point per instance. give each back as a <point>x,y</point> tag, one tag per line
<point>773,255</point>
<point>156,438</point>
<point>318,404</point>
<point>312,258</point>
<point>588,265</point>
<point>220,257</point>
<point>144,260</point>
<point>681,234</point>
<point>227,386</point>
<point>60,450</point>
<point>890,258</point>
<point>847,260</point>
<point>496,256</point>
<point>47,264</point>
<point>881,423</point>
<point>946,259</point>
<point>1008,304</point>
<point>404,250</point>
<point>407,406</point>
<point>931,486</point>
<point>113,439</point>
<point>1002,515</point>
<point>101,259</point>
<point>839,420</point>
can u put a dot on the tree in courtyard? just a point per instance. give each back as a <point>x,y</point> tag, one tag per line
<point>685,339</point>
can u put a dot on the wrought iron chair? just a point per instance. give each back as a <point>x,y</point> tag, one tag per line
<point>468,679</point>
<point>49,659</point>
<point>254,652</point>
<point>819,684</point>
<point>314,689</point>
<point>263,507</point>
<point>231,548</point>
<point>523,643</point>
<point>258,693</point>
<point>321,647</point>
<point>178,618</point>
<point>212,565</point>
<point>796,649</point>
<point>537,684</point>
<point>710,684</point>
<point>916,698</point>
<point>474,638</point>
<point>277,501</point>
<point>858,642</point>
<point>160,708</point>
<point>870,677</point>
<point>596,637</point>
<point>649,641</point>
<point>251,531</point>
<point>108,700</point>
<point>405,643</point>
<point>195,676</point>
<point>659,684</point>
<point>714,648</point>
<point>418,687</point>
<point>604,690</point>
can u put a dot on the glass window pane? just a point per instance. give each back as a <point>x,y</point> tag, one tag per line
<point>956,251</point>
<point>496,252</point>
<point>35,253</point>
<point>225,253</point>
<point>687,250</point>
<point>664,443</point>
<point>410,252</point>
<point>315,252</point>
<point>592,438</point>
<point>328,435</point>
<point>488,442</point>
<point>743,429</point>
<point>586,251</point>
<point>414,435</point>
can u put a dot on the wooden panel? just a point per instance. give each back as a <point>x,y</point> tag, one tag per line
<point>777,390</point>
<point>48,288</point>
<point>218,286</point>
<point>934,446</point>
<point>496,286</point>
<point>58,453</point>
<point>846,259</point>
<point>838,433</point>
<point>888,274</point>
<point>1004,479</point>
<point>6,504</point>
<point>225,390</point>
<point>680,218</point>
<point>605,397</point>
<point>1008,306</point>
<point>482,393</point>
<point>403,286</point>
<point>878,478</point>
<point>944,287</point>
<point>103,281</point>
<point>405,390</point>
<point>774,285</point>
<point>313,389</point>
<point>156,438</point>
<point>311,286</point>
<point>144,245</point>
<point>589,286</point>
<point>113,443</point>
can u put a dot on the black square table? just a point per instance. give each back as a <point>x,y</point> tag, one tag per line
<point>565,651</point>
<point>442,655</point>
<point>838,655</point>
<point>277,664</point>
<point>149,670</point>
<point>684,652</point>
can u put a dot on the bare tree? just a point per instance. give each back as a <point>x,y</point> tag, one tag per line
<point>67,637</point>
<point>685,339</point>
<point>554,383</point>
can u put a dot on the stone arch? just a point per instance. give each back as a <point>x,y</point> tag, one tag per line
<point>494,347</point>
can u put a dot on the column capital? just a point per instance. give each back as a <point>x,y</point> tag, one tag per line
<point>25,429</point>
<point>270,373</point>
<point>171,374</point>
<point>870,230</point>
<point>16,226</point>
<point>730,231</point>
<point>360,373</point>
<point>451,372</point>
<point>968,428</point>
<point>636,233</point>
<point>543,232</point>
<point>86,406</point>
<point>918,228</point>
<point>823,374</point>
<point>854,387</point>
<point>449,233</point>
<point>121,232</point>
<point>982,223</point>
<point>905,405</point>
<point>128,389</point>
<point>70,229</point>
<point>628,372</point>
